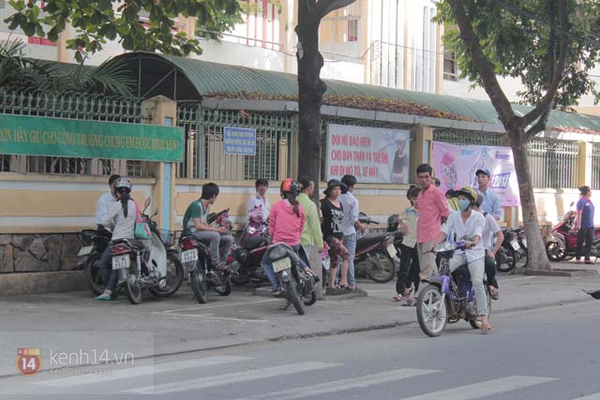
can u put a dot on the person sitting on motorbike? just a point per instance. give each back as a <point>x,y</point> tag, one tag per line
<point>195,221</point>
<point>492,241</point>
<point>286,222</point>
<point>260,199</point>
<point>105,202</point>
<point>467,226</point>
<point>121,218</point>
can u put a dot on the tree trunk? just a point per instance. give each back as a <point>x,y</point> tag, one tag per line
<point>310,96</point>
<point>538,259</point>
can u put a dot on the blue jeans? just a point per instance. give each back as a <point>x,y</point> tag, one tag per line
<point>267,266</point>
<point>112,275</point>
<point>350,243</point>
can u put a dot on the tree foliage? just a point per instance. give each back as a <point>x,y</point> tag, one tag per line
<point>138,24</point>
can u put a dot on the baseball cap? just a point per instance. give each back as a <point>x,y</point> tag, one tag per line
<point>483,171</point>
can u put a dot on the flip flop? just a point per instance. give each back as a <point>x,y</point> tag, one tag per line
<point>398,297</point>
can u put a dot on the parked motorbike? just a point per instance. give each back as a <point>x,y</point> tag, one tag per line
<point>151,264</point>
<point>375,254</point>
<point>94,244</point>
<point>513,252</point>
<point>562,244</point>
<point>195,256</point>
<point>449,297</point>
<point>299,286</point>
<point>248,252</point>
<point>393,223</point>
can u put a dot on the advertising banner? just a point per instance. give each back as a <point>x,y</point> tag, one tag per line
<point>373,155</point>
<point>455,167</point>
<point>40,136</point>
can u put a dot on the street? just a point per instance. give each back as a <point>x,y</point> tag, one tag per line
<point>550,353</point>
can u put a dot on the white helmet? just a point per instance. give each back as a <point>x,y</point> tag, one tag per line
<point>123,183</point>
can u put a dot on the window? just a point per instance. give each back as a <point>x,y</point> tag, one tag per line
<point>352,30</point>
<point>450,67</point>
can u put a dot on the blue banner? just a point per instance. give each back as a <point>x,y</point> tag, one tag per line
<point>240,141</point>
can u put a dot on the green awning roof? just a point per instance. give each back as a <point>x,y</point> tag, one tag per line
<point>196,79</point>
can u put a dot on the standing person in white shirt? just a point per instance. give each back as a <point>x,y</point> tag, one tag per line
<point>492,241</point>
<point>105,202</point>
<point>467,226</point>
<point>260,200</point>
<point>349,224</point>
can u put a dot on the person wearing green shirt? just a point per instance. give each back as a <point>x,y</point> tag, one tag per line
<point>311,240</point>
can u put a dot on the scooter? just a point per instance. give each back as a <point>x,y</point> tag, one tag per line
<point>195,256</point>
<point>562,244</point>
<point>375,254</point>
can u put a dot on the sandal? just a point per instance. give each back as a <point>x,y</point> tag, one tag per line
<point>276,292</point>
<point>104,297</point>
<point>398,297</point>
<point>411,302</point>
<point>494,292</point>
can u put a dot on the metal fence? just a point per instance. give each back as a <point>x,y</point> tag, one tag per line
<point>553,163</point>
<point>70,106</point>
<point>595,166</point>
<point>205,156</point>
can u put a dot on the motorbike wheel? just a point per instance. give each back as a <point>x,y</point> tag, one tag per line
<point>312,299</point>
<point>134,292</point>
<point>521,258</point>
<point>174,278</point>
<point>199,284</point>
<point>240,279</point>
<point>476,324</point>
<point>382,268</point>
<point>225,288</point>
<point>292,295</point>
<point>95,275</point>
<point>556,250</point>
<point>431,311</point>
<point>505,259</point>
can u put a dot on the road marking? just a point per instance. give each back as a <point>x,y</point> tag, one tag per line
<point>595,396</point>
<point>483,389</point>
<point>343,384</point>
<point>140,371</point>
<point>212,316</point>
<point>231,378</point>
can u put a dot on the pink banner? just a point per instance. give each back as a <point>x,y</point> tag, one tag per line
<point>455,167</point>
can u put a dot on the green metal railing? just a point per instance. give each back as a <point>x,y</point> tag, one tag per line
<point>553,163</point>
<point>70,106</point>
<point>469,138</point>
<point>204,150</point>
<point>595,166</point>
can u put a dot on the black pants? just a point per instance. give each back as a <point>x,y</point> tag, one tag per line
<point>490,271</point>
<point>584,235</point>
<point>409,269</point>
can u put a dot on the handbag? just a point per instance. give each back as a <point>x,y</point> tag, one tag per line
<point>142,228</point>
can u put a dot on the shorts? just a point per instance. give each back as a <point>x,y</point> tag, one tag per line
<point>337,250</point>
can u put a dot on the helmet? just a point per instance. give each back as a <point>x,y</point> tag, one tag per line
<point>123,183</point>
<point>290,186</point>
<point>468,192</point>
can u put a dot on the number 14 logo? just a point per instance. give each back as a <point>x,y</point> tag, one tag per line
<point>28,361</point>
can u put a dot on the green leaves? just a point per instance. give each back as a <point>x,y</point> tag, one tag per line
<point>138,24</point>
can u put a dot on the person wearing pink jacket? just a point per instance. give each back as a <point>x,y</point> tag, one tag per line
<point>286,222</point>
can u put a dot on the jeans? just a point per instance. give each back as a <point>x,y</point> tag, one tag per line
<point>476,269</point>
<point>409,269</point>
<point>584,235</point>
<point>220,245</point>
<point>267,266</point>
<point>350,243</point>
<point>105,263</point>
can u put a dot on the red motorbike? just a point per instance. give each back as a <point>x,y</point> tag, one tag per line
<point>562,245</point>
<point>247,254</point>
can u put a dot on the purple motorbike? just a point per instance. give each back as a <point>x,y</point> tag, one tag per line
<point>448,297</point>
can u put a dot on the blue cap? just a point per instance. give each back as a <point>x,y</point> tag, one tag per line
<point>483,171</point>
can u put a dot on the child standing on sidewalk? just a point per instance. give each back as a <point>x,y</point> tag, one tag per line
<point>409,260</point>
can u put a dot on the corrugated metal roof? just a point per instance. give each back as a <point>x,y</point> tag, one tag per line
<point>210,78</point>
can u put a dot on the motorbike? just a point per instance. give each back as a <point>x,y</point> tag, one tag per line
<point>248,252</point>
<point>299,286</point>
<point>375,252</point>
<point>151,264</point>
<point>393,223</point>
<point>449,297</point>
<point>195,256</point>
<point>94,243</point>
<point>513,252</point>
<point>562,244</point>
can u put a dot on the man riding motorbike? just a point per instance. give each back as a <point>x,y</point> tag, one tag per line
<point>467,226</point>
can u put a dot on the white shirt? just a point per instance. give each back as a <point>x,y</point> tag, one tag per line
<point>123,228</point>
<point>473,227</point>
<point>257,201</point>
<point>104,203</point>
<point>490,229</point>
<point>350,206</point>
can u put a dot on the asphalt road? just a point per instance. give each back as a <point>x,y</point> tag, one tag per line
<point>551,353</point>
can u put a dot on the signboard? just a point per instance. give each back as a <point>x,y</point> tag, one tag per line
<point>40,136</point>
<point>239,141</point>
<point>373,155</point>
<point>455,167</point>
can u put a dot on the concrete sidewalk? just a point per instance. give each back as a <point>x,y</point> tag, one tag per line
<point>179,324</point>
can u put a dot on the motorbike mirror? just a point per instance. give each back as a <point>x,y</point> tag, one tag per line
<point>154,213</point>
<point>146,204</point>
<point>572,203</point>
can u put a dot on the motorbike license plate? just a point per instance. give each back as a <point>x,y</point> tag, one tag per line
<point>189,256</point>
<point>121,262</point>
<point>326,262</point>
<point>282,264</point>
<point>524,241</point>
<point>392,250</point>
<point>84,251</point>
<point>515,244</point>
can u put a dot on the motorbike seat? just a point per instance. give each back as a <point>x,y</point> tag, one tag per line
<point>136,244</point>
<point>254,243</point>
<point>370,239</point>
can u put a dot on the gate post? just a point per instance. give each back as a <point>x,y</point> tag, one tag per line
<point>420,149</point>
